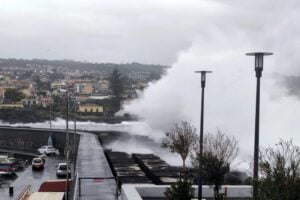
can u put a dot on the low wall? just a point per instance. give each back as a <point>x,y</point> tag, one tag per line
<point>28,138</point>
<point>138,192</point>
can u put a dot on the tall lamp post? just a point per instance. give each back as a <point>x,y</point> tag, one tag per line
<point>259,64</point>
<point>203,81</point>
<point>67,145</point>
<point>74,133</point>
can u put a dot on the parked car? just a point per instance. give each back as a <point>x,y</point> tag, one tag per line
<point>6,169</point>
<point>43,157</point>
<point>8,163</point>
<point>61,170</point>
<point>37,164</point>
<point>48,150</point>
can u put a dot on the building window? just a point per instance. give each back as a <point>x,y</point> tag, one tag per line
<point>85,110</point>
<point>91,109</point>
<point>97,110</point>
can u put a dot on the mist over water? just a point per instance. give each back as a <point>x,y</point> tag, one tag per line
<point>129,143</point>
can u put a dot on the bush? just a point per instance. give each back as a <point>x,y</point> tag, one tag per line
<point>182,190</point>
<point>280,172</point>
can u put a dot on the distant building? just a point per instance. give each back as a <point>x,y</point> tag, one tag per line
<point>30,102</point>
<point>44,78</point>
<point>90,108</point>
<point>13,105</point>
<point>84,88</point>
<point>87,89</point>
<point>45,101</point>
<point>103,85</point>
<point>58,85</point>
<point>28,91</point>
<point>81,98</point>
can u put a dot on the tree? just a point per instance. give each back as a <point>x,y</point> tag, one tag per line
<point>182,190</point>
<point>219,150</point>
<point>12,95</point>
<point>42,85</point>
<point>280,172</point>
<point>214,170</point>
<point>115,83</point>
<point>180,139</point>
<point>223,146</point>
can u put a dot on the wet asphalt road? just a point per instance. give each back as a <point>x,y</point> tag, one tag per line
<point>91,162</point>
<point>33,178</point>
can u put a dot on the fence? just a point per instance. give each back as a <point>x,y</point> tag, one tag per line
<point>98,179</point>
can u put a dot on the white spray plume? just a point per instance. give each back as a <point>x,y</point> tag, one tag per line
<point>220,45</point>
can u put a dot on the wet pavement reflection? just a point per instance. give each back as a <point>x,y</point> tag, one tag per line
<point>34,178</point>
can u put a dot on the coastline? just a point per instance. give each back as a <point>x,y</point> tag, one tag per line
<point>13,116</point>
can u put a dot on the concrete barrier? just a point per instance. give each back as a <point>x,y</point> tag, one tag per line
<point>140,191</point>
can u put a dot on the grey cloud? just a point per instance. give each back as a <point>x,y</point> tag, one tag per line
<point>103,31</point>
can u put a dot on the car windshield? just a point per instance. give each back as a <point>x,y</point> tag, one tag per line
<point>51,148</point>
<point>63,167</point>
<point>37,161</point>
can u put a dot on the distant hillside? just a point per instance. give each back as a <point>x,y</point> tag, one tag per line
<point>86,66</point>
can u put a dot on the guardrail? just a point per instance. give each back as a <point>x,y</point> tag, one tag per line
<point>8,149</point>
<point>25,192</point>
<point>100,179</point>
<point>75,187</point>
<point>19,148</point>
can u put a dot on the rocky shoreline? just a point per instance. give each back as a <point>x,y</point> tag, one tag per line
<point>13,116</point>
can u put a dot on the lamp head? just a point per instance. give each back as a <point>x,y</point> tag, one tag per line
<point>203,76</point>
<point>259,59</point>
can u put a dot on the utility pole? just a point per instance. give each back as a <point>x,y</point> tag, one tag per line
<point>75,130</point>
<point>50,141</point>
<point>67,144</point>
<point>50,119</point>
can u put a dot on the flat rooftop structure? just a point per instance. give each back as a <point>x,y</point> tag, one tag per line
<point>46,196</point>
<point>157,169</point>
<point>156,192</point>
<point>125,168</point>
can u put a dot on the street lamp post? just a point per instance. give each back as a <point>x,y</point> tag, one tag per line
<point>259,62</point>
<point>67,144</point>
<point>203,81</point>
<point>74,133</point>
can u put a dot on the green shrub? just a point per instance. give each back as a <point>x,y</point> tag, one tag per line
<point>182,190</point>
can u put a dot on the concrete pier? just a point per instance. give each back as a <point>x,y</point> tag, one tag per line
<point>92,163</point>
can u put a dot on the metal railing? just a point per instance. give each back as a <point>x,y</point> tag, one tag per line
<point>32,152</point>
<point>25,192</point>
<point>75,186</point>
<point>99,178</point>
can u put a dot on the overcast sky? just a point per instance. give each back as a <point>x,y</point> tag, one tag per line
<point>147,31</point>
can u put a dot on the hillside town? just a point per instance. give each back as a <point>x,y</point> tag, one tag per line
<point>30,86</point>
<point>149,100</point>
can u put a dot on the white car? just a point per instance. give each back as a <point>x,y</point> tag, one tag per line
<point>62,170</point>
<point>48,150</point>
<point>37,164</point>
